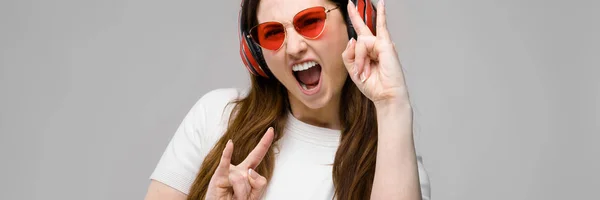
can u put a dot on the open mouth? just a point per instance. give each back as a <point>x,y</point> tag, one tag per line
<point>308,75</point>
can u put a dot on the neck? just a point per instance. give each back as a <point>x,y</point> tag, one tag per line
<point>326,116</point>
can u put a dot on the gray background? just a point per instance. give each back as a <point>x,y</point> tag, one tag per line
<point>505,92</point>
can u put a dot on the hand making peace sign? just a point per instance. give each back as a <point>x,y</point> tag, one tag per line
<point>372,61</point>
<point>240,182</point>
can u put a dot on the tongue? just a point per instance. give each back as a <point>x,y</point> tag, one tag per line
<point>310,76</point>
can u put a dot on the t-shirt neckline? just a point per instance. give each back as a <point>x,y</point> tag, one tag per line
<point>311,133</point>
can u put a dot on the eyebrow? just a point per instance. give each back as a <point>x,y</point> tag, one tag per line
<point>272,26</point>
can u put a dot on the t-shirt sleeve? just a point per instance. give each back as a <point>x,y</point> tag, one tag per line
<point>194,138</point>
<point>424,180</point>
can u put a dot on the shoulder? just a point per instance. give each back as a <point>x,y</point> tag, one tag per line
<point>211,112</point>
<point>214,109</point>
<point>423,179</point>
<point>219,97</point>
<point>214,101</point>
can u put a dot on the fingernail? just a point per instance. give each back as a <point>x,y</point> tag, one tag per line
<point>362,77</point>
<point>349,43</point>
<point>252,174</point>
<point>382,2</point>
<point>353,5</point>
<point>352,41</point>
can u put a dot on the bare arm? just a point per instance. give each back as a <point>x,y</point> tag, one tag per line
<point>375,68</point>
<point>160,191</point>
<point>396,171</point>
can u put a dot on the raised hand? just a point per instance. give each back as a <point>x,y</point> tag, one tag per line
<point>372,61</point>
<point>240,182</point>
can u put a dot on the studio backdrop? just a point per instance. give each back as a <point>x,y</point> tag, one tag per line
<point>505,92</point>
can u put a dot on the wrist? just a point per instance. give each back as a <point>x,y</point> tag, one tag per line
<point>394,97</point>
<point>393,104</point>
<point>394,110</point>
<point>394,120</point>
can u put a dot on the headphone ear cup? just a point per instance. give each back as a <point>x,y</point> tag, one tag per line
<point>250,54</point>
<point>371,17</point>
<point>247,56</point>
<point>261,65</point>
<point>367,12</point>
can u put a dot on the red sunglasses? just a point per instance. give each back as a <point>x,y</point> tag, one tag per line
<point>309,23</point>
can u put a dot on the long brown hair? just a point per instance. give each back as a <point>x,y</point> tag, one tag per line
<point>267,105</point>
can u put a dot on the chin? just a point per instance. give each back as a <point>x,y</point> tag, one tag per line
<point>317,103</point>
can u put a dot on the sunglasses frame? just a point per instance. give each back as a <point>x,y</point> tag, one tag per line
<point>249,35</point>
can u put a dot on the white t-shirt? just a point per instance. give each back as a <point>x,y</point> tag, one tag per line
<point>303,161</point>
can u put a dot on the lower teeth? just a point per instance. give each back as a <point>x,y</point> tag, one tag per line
<point>306,87</point>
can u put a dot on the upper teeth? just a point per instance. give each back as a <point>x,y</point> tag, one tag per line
<point>304,66</point>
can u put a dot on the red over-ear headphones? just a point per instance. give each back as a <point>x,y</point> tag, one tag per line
<point>251,53</point>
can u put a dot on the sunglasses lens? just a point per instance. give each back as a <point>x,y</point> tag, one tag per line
<point>310,22</point>
<point>269,35</point>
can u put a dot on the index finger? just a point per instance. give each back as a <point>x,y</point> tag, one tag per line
<point>256,156</point>
<point>357,22</point>
<point>223,168</point>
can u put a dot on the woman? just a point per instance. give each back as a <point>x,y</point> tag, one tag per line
<point>326,117</point>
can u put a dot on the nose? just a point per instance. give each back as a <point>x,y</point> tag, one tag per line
<point>296,45</point>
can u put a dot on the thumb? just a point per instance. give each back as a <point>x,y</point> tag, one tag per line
<point>258,184</point>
